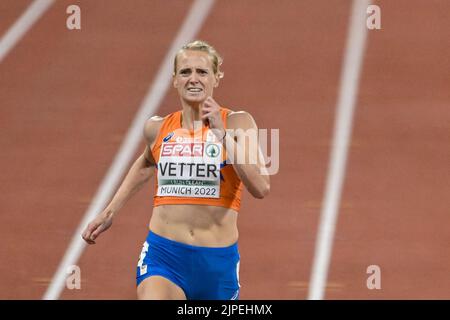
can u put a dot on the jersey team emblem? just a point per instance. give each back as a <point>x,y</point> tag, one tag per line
<point>212,151</point>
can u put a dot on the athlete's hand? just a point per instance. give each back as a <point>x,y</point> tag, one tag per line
<point>211,114</point>
<point>101,223</point>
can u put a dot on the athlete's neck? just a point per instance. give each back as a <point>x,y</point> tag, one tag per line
<point>191,113</point>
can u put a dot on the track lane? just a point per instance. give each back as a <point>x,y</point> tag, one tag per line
<point>69,97</point>
<point>395,204</point>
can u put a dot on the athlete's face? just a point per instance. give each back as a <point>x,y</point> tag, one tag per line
<point>195,79</point>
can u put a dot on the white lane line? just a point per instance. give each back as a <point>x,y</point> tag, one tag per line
<point>349,80</point>
<point>190,27</point>
<point>22,25</point>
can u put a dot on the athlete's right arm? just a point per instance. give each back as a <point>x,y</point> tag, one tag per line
<point>139,173</point>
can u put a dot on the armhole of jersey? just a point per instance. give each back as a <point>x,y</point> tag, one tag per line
<point>227,112</point>
<point>158,136</point>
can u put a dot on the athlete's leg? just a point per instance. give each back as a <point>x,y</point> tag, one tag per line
<point>159,288</point>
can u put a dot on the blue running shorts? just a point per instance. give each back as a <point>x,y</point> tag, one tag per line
<point>203,273</point>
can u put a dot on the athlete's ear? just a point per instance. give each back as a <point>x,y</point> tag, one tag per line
<point>216,81</point>
<point>217,77</point>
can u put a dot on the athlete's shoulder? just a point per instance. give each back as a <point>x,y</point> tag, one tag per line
<point>154,121</point>
<point>151,128</point>
<point>240,120</point>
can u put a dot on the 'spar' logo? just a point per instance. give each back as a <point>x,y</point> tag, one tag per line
<point>182,150</point>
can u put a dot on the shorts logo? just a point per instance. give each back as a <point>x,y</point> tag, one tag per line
<point>212,151</point>
<point>235,295</point>
<point>143,269</point>
<point>167,138</point>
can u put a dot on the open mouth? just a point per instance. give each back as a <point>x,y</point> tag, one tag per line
<point>194,90</point>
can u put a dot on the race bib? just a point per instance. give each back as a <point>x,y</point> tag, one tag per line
<point>189,169</point>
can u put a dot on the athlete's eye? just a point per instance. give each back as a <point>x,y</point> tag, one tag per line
<point>185,72</point>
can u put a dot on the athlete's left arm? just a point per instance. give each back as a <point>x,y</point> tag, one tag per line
<point>242,137</point>
<point>247,161</point>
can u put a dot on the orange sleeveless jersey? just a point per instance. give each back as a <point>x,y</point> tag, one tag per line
<point>174,142</point>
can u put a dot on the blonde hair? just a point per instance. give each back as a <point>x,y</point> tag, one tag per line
<point>199,45</point>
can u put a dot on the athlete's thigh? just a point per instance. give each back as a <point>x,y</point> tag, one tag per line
<point>159,288</point>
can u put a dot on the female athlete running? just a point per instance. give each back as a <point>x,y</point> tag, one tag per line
<point>191,249</point>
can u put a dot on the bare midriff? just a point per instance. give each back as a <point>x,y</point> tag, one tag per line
<point>197,225</point>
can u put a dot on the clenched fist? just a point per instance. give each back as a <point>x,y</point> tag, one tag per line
<point>211,115</point>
